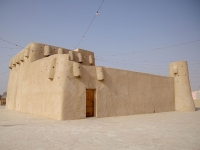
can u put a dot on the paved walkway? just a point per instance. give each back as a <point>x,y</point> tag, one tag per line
<point>160,131</point>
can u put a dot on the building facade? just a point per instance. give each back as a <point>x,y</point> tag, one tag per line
<point>62,84</point>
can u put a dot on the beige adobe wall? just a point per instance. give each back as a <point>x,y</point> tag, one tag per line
<point>55,87</point>
<point>120,93</point>
<point>34,92</point>
<point>16,78</point>
<point>134,93</point>
<point>30,88</point>
<point>183,96</point>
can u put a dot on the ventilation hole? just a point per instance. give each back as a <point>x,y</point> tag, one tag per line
<point>154,111</point>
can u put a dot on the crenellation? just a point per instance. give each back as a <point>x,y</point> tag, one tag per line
<point>18,58</point>
<point>22,57</point>
<point>91,60</point>
<point>71,55</point>
<point>60,51</point>
<point>47,51</point>
<point>26,52</point>
<point>36,51</point>
<point>80,58</point>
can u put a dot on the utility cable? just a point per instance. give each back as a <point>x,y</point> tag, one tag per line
<point>132,60</point>
<point>156,49</point>
<point>7,55</point>
<point>89,25</point>
<point>10,47</point>
<point>10,43</point>
<point>4,72</point>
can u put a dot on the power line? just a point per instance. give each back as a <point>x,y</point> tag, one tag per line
<point>156,49</point>
<point>142,66</point>
<point>10,47</point>
<point>7,55</point>
<point>90,24</point>
<point>132,60</point>
<point>11,43</point>
<point>4,72</point>
<point>142,62</point>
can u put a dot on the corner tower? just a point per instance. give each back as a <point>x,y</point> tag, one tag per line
<point>183,97</point>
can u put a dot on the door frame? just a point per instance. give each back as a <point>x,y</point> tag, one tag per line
<point>94,90</point>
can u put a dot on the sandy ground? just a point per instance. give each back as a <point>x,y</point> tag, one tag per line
<point>159,131</point>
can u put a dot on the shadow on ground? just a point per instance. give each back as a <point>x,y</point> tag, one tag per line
<point>197,108</point>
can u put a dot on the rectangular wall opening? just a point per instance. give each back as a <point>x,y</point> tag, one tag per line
<point>90,102</point>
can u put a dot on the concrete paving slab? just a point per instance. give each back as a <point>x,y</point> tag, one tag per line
<point>170,130</point>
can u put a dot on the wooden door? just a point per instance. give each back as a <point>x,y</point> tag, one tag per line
<point>89,103</point>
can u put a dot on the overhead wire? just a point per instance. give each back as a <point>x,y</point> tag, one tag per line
<point>7,55</point>
<point>156,49</point>
<point>156,61</point>
<point>145,67</point>
<point>11,43</point>
<point>124,53</point>
<point>145,62</point>
<point>10,47</point>
<point>97,12</point>
<point>4,72</point>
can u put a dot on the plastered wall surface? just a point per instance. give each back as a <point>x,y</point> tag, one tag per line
<point>35,92</point>
<point>183,97</point>
<point>30,88</point>
<point>52,83</point>
<point>120,93</point>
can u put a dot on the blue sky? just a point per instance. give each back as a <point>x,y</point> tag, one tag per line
<point>121,28</point>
